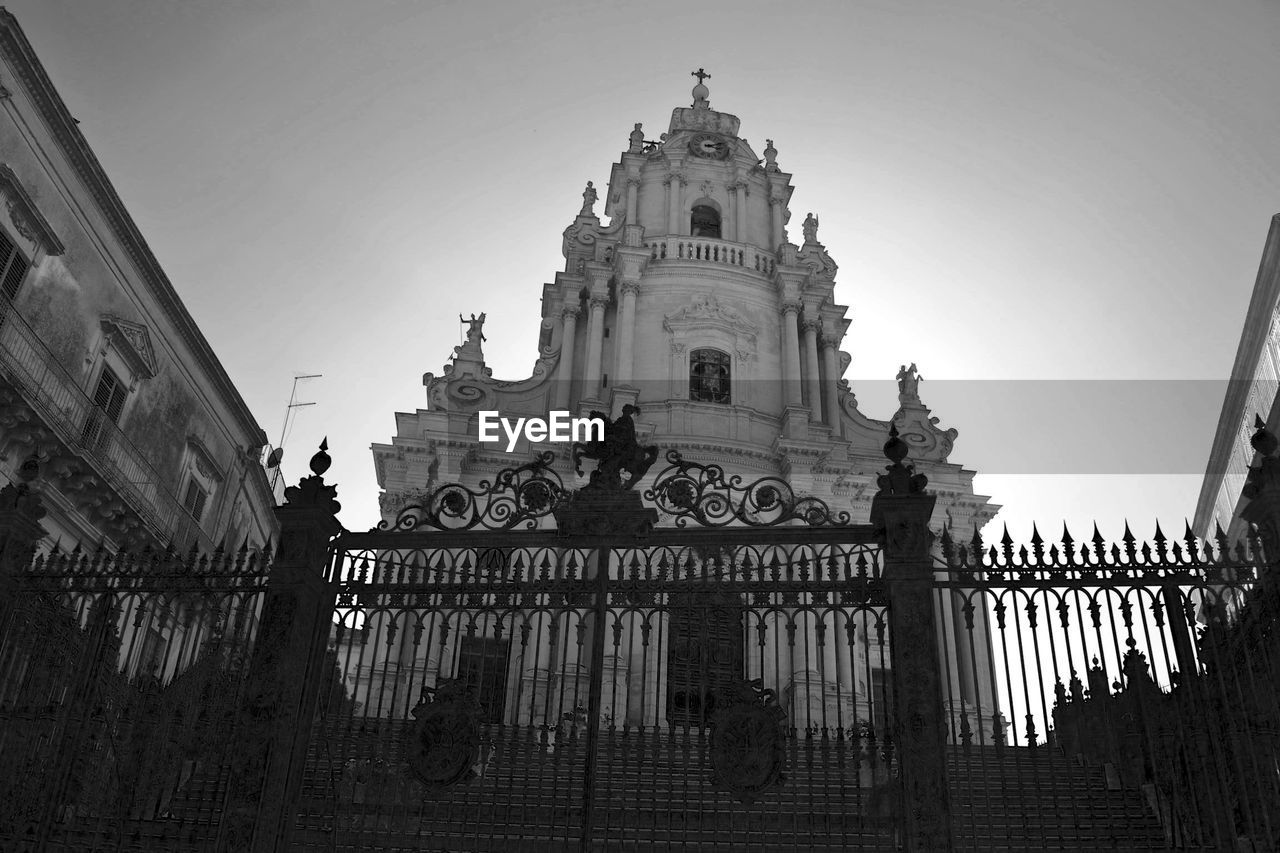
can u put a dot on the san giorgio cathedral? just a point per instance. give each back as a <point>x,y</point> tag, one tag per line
<point>690,301</point>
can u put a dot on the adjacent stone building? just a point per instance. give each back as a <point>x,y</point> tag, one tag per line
<point>1252,392</point>
<point>106,382</point>
<point>690,301</point>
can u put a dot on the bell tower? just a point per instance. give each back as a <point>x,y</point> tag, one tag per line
<point>684,293</point>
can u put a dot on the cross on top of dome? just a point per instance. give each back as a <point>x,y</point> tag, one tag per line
<point>700,91</point>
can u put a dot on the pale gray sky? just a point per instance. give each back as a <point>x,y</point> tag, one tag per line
<point>1013,190</point>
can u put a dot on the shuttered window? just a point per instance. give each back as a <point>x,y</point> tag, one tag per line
<point>195,500</point>
<point>110,395</point>
<point>108,401</point>
<point>13,267</point>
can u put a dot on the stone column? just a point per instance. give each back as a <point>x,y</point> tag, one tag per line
<point>900,513</point>
<point>831,384</point>
<point>567,342</point>
<point>777,209</point>
<point>791,354</point>
<point>740,193</point>
<point>595,345</point>
<point>285,671</point>
<point>812,382</point>
<point>674,182</point>
<point>626,331</point>
<point>633,187</point>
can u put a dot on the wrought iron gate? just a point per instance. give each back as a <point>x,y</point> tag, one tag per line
<point>707,683</point>
<point>723,665</point>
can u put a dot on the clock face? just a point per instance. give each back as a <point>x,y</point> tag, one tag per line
<point>709,145</point>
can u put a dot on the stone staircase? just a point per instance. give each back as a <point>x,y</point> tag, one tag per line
<point>1018,798</point>
<point>655,793</point>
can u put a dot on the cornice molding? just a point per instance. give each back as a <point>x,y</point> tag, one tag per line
<point>18,52</point>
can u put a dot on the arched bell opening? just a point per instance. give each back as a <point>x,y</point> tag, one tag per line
<point>704,220</point>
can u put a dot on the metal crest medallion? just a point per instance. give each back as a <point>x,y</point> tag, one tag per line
<point>747,736</point>
<point>443,742</point>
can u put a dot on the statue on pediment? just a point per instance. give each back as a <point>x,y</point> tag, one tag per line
<point>909,381</point>
<point>475,326</point>
<point>589,197</point>
<point>810,228</point>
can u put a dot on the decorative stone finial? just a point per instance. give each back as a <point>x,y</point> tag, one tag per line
<point>700,91</point>
<point>313,491</point>
<point>321,461</point>
<point>899,479</point>
<point>770,156</point>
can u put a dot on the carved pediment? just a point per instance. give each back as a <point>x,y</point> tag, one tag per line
<point>467,386</point>
<point>203,459</point>
<point>706,312</point>
<point>926,440</point>
<point>133,341</point>
<point>815,257</point>
<point>26,217</point>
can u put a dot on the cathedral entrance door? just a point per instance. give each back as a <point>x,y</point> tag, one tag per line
<point>705,654</point>
<point>482,664</point>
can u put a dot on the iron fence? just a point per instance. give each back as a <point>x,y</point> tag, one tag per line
<point>121,680</point>
<point>1137,693</point>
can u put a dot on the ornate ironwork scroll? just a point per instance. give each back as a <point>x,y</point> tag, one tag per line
<point>747,737</point>
<point>443,742</point>
<point>690,491</point>
<point>516,497</point>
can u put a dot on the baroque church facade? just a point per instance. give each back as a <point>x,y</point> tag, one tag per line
<point>692,304</point>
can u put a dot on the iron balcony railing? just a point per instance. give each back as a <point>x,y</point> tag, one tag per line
<point>50,389</point>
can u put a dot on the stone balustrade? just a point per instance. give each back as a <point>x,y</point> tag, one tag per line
<point>705,250</point>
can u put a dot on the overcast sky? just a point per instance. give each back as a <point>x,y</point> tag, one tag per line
<point>1013,191</point>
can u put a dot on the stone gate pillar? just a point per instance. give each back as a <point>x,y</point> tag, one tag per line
<point>285,671</point>
<point>900,513</point>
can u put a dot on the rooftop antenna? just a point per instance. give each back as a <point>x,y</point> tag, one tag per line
<point>273,460</point>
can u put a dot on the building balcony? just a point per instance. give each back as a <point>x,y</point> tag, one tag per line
<point>707,251</point>
<point>84,454</point>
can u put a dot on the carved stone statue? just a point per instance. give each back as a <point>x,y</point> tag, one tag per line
<point>475,326</point>
<point>909,381</point>
<point>810,228</point>
<point>588,200</point>
<point>620,452</point>
<point>637,140</point>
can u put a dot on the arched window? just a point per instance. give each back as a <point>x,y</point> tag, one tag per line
<point>709,376</point>
<point>705,222</point>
